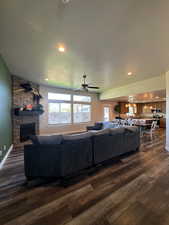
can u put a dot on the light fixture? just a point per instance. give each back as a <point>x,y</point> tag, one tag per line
<point>130,73</point>
<point>46,79</point>
<point>61,48</point>
<point>130,99</point>
<point>65,1</point>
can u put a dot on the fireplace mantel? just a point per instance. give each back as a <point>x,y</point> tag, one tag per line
<point>27,113</point>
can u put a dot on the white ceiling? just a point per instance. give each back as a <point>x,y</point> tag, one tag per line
<point>155,96</point>
<point>104,38</point>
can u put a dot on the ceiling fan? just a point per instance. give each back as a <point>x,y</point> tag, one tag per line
<point>85,86</point>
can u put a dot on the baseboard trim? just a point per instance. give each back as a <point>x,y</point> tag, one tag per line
<point>6,156</point>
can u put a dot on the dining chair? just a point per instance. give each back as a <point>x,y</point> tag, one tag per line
<point>151,130</point>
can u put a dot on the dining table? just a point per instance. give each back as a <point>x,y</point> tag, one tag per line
<point>143,126</point>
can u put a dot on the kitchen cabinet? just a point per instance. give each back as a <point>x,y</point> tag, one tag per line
<point>147,107</point>
<point>162,123</point>
<point>123,108</point>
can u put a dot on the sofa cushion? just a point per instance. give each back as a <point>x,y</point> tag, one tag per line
<point>100,132</point>
<point>46,140</point>
<point>77,136</point>
<point>132,129</point>
<point>114,131</point>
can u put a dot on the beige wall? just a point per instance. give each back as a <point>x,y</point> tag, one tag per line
<point>96,115</point>
<point>152,84</point>
<point>109,104</point>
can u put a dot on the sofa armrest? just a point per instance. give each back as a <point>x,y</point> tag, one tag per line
<point>90,128</point>
<point>132,138</point>
<point>95,127</point>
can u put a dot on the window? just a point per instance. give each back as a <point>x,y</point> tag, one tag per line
<point>59,97</point>
<point>59,113</point>
<point>66,109</point>
<point>80,98</point>
<point>81,109</point>
<point>106,114</point>
<point>132,109</point>
<point>81,113</point>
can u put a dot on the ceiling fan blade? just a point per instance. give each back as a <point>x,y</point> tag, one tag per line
<point>93,87</point>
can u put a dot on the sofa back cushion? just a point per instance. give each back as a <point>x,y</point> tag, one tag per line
<point>132,138</point>
<point>132,129</point>
<point>76,155</point>
<point>114,131</point>
<point>100,132</point>
<point>74,137</point>
<point>47,140</point>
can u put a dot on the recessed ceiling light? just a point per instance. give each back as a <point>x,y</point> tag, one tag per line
<point>65,1</point>
<point>61,48</point>
<point>130,73</point>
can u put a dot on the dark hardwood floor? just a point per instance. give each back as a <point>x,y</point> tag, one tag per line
<point>134,191</point>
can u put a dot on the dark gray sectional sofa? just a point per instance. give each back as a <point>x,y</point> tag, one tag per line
<point>61,156</point>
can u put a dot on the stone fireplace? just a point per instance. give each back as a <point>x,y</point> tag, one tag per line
<point>23,125</point>
<point>26,130</point>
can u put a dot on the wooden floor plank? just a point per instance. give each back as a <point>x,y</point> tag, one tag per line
<point>131,192</point>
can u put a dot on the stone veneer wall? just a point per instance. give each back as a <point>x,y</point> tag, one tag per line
<point>20,99</point>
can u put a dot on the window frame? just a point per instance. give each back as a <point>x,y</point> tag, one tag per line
<point>85,102</point>
<point>65,100</point>
<point>61,124</point>
<point>71,102</point>
<point>82,103</point>
<point>104,113</point>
